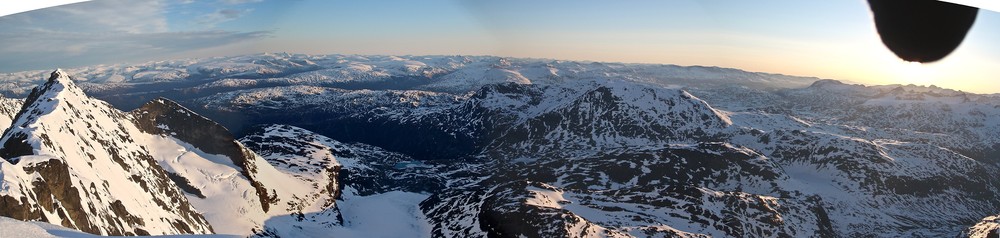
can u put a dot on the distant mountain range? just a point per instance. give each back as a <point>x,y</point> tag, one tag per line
<point>280,145</point>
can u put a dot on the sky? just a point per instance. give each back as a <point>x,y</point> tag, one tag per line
<point>826,39</point>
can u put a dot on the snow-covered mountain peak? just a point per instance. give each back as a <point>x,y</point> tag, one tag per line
<point>59,80</point>
<point>825,82</point>
<point>78,162</point>
<point>57,100</point>
<point>59,73</point>
<point>75,161</point>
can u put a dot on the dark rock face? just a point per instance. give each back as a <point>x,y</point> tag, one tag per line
<point>184,184</point>
<point>162,116</point>
<point>16,147</point>
<point>503,215</point>
<point>19,208</point>
<point>57,194</point>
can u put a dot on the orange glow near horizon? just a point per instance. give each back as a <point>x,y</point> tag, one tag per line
<point>824,39</point>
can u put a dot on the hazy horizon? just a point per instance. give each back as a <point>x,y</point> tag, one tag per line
<point>140,62</point>
<point>830,40</point>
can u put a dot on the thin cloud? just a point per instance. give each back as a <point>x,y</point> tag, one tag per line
<point>107,31</point>
<point>22,52</point>
<point>237,2</point>
<point>104,15</point>
<point>221,16</point>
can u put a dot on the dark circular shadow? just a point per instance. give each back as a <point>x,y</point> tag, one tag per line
<point>922,30</point>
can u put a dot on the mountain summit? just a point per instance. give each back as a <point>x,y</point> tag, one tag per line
<point>161,169</point>
<point>72,160</point>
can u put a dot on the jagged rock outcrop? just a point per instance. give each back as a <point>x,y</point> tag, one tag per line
<point>74,161</point>
<point>987,228</point>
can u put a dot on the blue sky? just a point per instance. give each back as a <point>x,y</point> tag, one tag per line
<point>829,39</point>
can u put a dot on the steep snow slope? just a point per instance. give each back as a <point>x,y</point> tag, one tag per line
<point>377,191</point>
<point>72,160</point>
<point>237,190</point>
